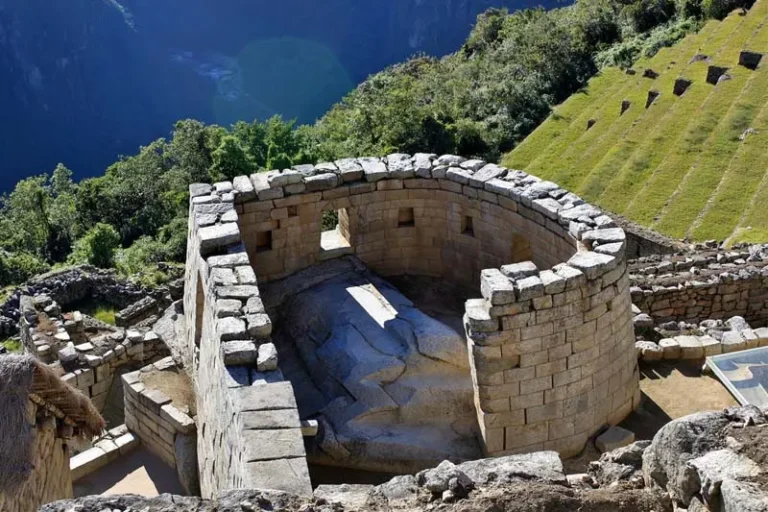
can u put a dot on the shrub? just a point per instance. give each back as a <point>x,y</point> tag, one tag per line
<point>144,252</point>
<point>17,267</point>
<point>97,246</point>
<point>719,9</point>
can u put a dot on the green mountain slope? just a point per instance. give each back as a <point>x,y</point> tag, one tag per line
<point>689,165</point>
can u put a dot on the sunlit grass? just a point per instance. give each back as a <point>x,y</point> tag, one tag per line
<point>562,117</point>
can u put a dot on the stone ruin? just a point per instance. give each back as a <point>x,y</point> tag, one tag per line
<point>277,334</point>
<point>457,310</point>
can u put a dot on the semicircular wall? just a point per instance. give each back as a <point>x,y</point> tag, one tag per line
<point>550,336</point>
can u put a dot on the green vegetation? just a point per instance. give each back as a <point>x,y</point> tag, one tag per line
<point>104,314</point>
<point>481,101</point>
<point>12,345</point>
<point>681,164</point>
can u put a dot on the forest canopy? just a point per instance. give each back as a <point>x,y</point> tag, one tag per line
<point>480,101</point>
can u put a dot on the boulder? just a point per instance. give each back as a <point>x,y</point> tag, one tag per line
<point>537,466</point>
<point>667,462</point>
<point>445,477</point>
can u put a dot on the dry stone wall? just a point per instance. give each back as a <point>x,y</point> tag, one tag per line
<point>249,433</point>
<point>50,478</point>
<point>163,428</point>
<point>551,339</point>
<point>706,284</point>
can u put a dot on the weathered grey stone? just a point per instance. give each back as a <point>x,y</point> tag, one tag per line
<point>350,496</point>
<point>496,287</point>
<point>520,270</point>
<point>649,351</point>
<point>737,323</point>
<point>267,358</point>
<point>259,325</point>
<point>228,307</point>
<point>244,187</point>
<point>400,166</point>
<point>231,328</point>
<point>552,282</point>
<point>690,347</point>
<point>318,182</point>
<point>199,189</point>
<point>742,497</point>
<point>373,168</point>
<point>732,342</point>
<point>450,160</point>
<point>241,292</point>
<point>713,467</point>
<point>254,306</point>
<point>671,348</point>
<point>349,170</point>
<point>529,288</point>
<point>444,477</point>
<point>239,352</point>
<point>185,452</point>
<point>479,318</point>
<point>604,236</point>
<point>265,398</point>
<point>485,174</point>
<point>543,466</point>
<point>613,438</point>
<point>547,207</point>
<point>218,237</point>
<point>401,492</point>
<point>592,264</point>
<point>281,418</point>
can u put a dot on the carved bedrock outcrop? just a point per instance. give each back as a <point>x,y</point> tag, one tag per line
<point>550,339</point>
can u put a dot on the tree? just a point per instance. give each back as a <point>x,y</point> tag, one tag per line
<point>230,160</point>
<point>97,247</point>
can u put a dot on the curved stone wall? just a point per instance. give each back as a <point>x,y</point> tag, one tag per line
<point>550,340</point>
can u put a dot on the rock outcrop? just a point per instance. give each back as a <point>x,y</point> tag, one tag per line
<point>390,384</point>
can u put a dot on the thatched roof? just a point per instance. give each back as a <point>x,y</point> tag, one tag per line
<point>24,379</point>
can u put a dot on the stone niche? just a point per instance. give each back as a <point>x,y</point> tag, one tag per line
<point>549,339</point>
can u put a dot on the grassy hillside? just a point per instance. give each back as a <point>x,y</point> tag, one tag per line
<point>681,164</point>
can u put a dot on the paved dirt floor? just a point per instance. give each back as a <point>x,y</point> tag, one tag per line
<point>673,390</point>
<point>139,473</point>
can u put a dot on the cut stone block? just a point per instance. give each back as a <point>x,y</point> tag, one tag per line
<point>613,438</point>
<point>239,352</point>
<point>520,270</point>
<point>671,348</point>
<point>733,342</point>
<point>496,287</point>
<point>215,238</point>
<point>711,346</point>
<point>267,358</point>
<point>690,347</point>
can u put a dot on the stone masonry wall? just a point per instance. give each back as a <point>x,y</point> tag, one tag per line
<point>703,285</point>
<point>163,428</point>
<point>436,222</point>
<point>552,351</point>
<point>51,478</point>
<point>249,433</point>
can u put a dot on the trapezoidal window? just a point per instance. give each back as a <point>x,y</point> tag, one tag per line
<point>334,235</point>
<point>405,218</point>
<point>263,241</point>
<point>467,226</point>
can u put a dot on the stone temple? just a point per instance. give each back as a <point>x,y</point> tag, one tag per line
<point>388,314</point>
